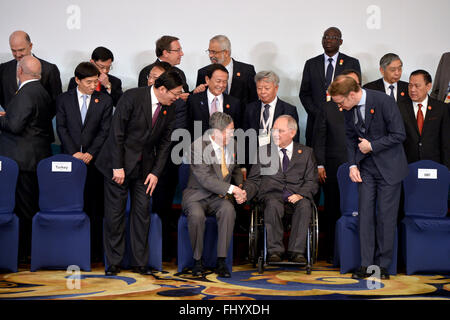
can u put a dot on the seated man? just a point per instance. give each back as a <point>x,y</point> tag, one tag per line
<point>209,189</point>
<point>290,187</point>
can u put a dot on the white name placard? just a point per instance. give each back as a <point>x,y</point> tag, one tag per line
<point>427,174</point>
<point>61,166</point>
<point>0,166</point>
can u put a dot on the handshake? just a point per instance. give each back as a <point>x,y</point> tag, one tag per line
<point>240,195</point>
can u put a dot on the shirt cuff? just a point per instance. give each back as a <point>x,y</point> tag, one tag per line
<point>230,189</point>
<point>320,167</point>
<point>352,166</point>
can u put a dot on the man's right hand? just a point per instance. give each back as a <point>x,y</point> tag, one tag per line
<point>355,176</point>
<point>200,88</point>
<point>78,155</point>
<point>118,176</point>
<point>240,195</point>
<point>322,175</point>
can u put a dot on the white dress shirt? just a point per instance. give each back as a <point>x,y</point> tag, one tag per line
<point>388,90</point>
<point>219,102</point>
<point>154,100</point>
<point>289,150</point>
<point>80,99</point>
<point>424,107</point>
<point>333,63</point>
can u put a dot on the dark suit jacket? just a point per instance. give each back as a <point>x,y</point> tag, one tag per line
<point>50,79</point>
<point>198,110</point>
<point>142,82</point>
<point>131,136</point>
<point>442,78</point>
<point>26,129</point>
<point>434,143</point>
<point>205,176</point>
<point>313,87</point>
<point>402,89</point>
<point>329,138</point>
<point>116,88</point>
<point>252,115</point>
<point>243,84</point>
<point>386,133</point>
<point>92,134</point>
<point>301,176</point>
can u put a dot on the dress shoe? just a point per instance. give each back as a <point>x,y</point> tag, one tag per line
<point>360,273</point>
<point>297,258</point>
<point>112,270</point>
<point>145,271</point>
<point>197,269</point>
<point>222,269</point>
<point>274,257</point>
<point>384,274</point>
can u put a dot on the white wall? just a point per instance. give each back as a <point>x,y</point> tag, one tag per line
<point>279,35</point>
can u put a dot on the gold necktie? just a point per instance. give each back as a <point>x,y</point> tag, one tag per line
<point>223,165</point>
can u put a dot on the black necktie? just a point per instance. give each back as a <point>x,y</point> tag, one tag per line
<point>329,74</point>
<point>286,193</point>
<point>392,91</point>
<point>266,114</point>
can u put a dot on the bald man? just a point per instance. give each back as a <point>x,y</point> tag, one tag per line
<point>26,133</point>
<point>21,46</point>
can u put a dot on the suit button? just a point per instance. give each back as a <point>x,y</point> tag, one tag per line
<point>420,144</point>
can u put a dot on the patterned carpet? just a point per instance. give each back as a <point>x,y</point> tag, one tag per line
<point>325,283</point>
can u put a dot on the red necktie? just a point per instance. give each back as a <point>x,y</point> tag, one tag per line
<point>155,115</point>
<point>420,118</point>
<point>99,86</point>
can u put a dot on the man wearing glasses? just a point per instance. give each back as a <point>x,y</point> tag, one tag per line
<point>132,160</point>
<point>103,58</point>
<point>241,83</point>
<point>168,49</point>
<point>318,74</point>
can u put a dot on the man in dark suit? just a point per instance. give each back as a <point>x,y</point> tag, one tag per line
<point>375,133</point>
<point>167,49</point>
<point>391,69</point>
<point>21,46</point>
<point>132,160</point>
<point>319,72</point>
<point>103,58</point>
<point>241,84</point>
<point>290,188</point>
<point>201,105</point>
<point>427,122</point>
<point>441,86</point>
<point>330,151</point>
<point>26,134</point>
<point>209,189</point>
<point>83,119</point>
<point>261,114</point>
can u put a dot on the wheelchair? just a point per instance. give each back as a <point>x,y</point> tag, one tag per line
<point>257,239</point>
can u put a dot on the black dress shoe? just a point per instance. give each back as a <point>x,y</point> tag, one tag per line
<point>222,269</point>
<point>360,273</point>
<point>274,257</point>
<point>297,258</point>
<point>142,270</point>
<point>197,269</point>
<point>384,274</point>
<point>112,270</point>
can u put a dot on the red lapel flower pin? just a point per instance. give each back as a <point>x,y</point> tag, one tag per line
<point>340,109</point>
<point>429,107</point>
<point>238,74</point>
<point>341,62</point>
<point>299,151</point>
<point>96,100</point>
<point>228,106</point>
<point>164,112</point>
<point>402,93</point>
<point>372,111</point>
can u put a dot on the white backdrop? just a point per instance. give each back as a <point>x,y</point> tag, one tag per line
<point>278,35</point>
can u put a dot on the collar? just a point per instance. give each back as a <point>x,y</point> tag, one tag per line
<point>210,96</point>
<point>271,104</point>
<point>80,94</point>
<point>424,103</point>
<point>387,84</point>
<point>25,82</point>
<point>289,148</point>
<point>363,98</point>
<point>326,57</point>
<point>153,96</point>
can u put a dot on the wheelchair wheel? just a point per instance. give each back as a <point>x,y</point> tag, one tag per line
<point>260,265</point>
<point>314,234</point>
<point>253,239</point>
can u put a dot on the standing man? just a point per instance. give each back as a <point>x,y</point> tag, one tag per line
<point>103,58</point>
<point>375,133</point>
<point>391,69</point>
<point>21,46</point>
<point>209,190</point>
<point>26,136</point>
<point>318,74</point>
<point>202,105</point>
<point>441,87</point>
<point>83,119</point>
<point>168,49</point>
<point>132,160</point>
<point>427,122</point>
<point>330,149</point>
<point>241,84</point>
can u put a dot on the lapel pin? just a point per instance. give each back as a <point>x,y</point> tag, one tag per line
<point>164,112</point>
<point>340,109</point>
<point>238,74</point>
<point>429,107</point>
<point>372,111</point>
<point>402,93</point>
<point>228,106</point>
<point>299,151</point>
<point>341,62</point>
<point>96,100</point>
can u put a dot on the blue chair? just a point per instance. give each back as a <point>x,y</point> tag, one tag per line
<point>185,253</point>
<point>347,245</point>
<point>61,230</point>
<point>9,222</point>
<point>425,228</point>
<point>154,241</point>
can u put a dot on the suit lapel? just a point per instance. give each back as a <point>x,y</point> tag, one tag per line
<point>147,106</point>
<point>91,108</point>
<point>204,105</point>
<point>411,117</point>
<point>430,113</point>
<point>227,107</point>
<point>75,107</point>
<point>213,160</point>
<point>12,75</point>
<point>236,75</point>
<point>369,111</point>
<point>320,65</point>
<point>339,65</point>
<point>279,110</point>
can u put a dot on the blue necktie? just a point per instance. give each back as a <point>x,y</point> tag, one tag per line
<point>84,108</point>
<point>329,74</point>
<point>392,91</point>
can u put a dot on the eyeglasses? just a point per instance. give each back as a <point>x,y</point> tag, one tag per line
<point>175,94</point>
<point>176,50</point>
<point>213,52</point>
<point>331,38</point>
<point>101,67</point>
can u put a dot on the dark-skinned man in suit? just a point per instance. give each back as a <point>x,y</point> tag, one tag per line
<point>377,162</point>
<point>83,119</point>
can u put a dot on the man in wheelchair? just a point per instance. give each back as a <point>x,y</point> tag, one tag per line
<point>286,183</point>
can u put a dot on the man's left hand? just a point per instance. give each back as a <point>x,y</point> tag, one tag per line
<point>151,180</point>
<point>294,198</point>
<point>364,146</point>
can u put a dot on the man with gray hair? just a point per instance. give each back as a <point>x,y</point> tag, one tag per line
<point>391,69</point>
<point>289,190</point>
<point>209,190</point>
<point>240,81</point>
<point>26,136</point>
<point>261,114</point>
